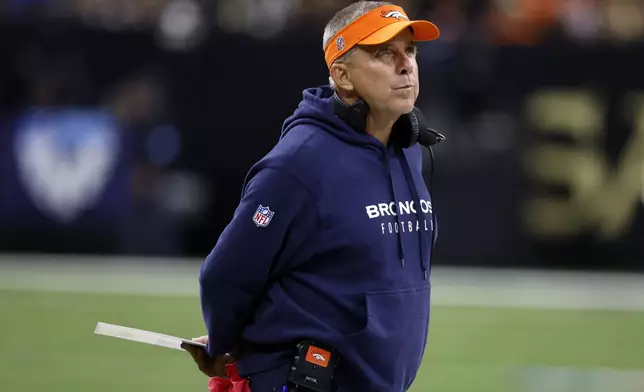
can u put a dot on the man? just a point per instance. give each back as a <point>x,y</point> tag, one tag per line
<point>332,239</point>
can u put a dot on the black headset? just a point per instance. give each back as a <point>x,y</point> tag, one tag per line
<point>409,129</point>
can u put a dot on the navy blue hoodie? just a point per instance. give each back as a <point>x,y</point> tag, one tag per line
<point>331,241</point>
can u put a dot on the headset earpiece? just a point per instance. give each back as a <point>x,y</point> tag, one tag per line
<point>404,133</point>
<point>355,115</point>
<point>406,130</point>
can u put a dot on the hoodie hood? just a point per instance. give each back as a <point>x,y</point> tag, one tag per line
<point>316,108</point>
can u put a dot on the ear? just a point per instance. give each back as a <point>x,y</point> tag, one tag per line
<point>340,74</point>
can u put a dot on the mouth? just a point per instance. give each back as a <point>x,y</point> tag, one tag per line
<point>405,87</point>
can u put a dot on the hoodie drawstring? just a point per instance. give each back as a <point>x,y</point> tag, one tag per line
<point>414,192</point>
<point>401,252</point>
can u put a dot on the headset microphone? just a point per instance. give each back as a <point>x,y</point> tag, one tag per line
<point>430,137</point>
<point>425,135</point>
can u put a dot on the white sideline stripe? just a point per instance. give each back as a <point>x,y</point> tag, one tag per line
<point>562,379</point>
<point>451,286</point>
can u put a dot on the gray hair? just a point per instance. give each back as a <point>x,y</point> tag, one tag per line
<point>342,19</point>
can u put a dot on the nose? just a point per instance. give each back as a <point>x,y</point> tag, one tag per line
<point>405,65</point>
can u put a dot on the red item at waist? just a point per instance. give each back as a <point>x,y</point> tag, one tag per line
<point>234,383</point>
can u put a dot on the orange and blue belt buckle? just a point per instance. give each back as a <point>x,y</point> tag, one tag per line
<point>313,368</point>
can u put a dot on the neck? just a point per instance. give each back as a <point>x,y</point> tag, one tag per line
<point>379,125</point>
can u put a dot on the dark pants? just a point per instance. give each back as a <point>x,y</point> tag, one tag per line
<point>269,381</point>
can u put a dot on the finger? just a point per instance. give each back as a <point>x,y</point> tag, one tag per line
<point>228,359</point>
<point>202,358</point>
<point>220,367</point>
<point>201,339</point>
<point>188,347</point>
<point>192,350</point>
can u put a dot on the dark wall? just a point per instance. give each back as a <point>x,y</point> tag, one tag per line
<point>525,179</point>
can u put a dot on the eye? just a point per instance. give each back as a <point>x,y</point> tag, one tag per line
<point>412,50</point>
<point>384,52</point>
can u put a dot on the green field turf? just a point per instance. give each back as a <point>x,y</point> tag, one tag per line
<point>47,344</point>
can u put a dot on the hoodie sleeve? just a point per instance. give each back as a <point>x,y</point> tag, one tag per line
<point>275,215</point>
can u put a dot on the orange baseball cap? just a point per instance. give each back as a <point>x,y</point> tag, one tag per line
<point>376,27</point>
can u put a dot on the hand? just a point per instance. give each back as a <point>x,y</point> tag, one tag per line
<point>211,367</point>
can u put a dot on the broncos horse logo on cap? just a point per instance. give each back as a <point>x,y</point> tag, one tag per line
<point>393,14</point>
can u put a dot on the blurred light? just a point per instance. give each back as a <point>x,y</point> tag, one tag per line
<point>183,193</point>
<point>163,145</point>
<point>181,24</point>
<point>231,15</point>
<point>581,19</point>
<point>266,20</point>
<point>262,19</point>
<point>625,21</point>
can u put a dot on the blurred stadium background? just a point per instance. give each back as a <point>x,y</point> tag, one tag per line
<point>127,126</point>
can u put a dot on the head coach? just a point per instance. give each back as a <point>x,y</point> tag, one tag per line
<point>321,280</point>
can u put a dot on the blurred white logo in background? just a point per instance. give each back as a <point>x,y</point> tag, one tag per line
<point>65,162</point>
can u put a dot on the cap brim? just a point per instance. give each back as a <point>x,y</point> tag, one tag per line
<point>423,31</point>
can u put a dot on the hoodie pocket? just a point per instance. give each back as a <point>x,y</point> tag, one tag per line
<point>386,355</point>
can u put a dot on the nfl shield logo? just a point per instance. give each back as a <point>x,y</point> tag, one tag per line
<point>263,216</point>
<point>340,43</point>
